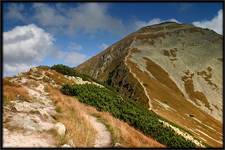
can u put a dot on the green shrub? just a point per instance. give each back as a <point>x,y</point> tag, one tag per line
<point>129,111</point>
<point>64,69</point>
<point>70,72</point>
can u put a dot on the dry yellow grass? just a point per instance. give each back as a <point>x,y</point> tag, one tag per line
<point>83,134</point>
<point>78,128</point>
<point>157,90</point>
<point>58,77</point>
<point>12,90</point>
<point>31,83</point>
<point>121,132</point>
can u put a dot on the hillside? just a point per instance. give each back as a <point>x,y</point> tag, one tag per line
<point>37,114</point>
<point>174,70</point>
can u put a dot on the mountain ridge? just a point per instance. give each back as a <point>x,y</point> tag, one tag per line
<point>168,62</point>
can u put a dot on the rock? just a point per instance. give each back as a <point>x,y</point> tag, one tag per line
<point>66,145</point>
<point>24,107</point>
<point>30,122</point>
<point>24,80</point>
<point>70,142</point>
<point>21,120</point>
<point>36,78</point>
<point>117,145</point>
<point>45,114</point>
<point>34,69</point>
<point>60,128</point>
<point>19,139</point>
<point>28,133</point>
<point>13,80</point>
<point>20,74</point>
<point>5,131</point>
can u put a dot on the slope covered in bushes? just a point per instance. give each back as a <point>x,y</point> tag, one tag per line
<point>127,110</point>
<point>66,70</point>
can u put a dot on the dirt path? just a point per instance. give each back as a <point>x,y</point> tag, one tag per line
<point>103,137</point>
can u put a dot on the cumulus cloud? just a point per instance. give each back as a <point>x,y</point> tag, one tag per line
<point>88,18</point>
<point>139,24</point>
<point>92,17</point>
<point>216,23</point>
<point>70,58</point>
<point>28,46</point>
<point>48,16</point>
<point>24,46</point>
<point>12,69</point>
<point>15,11</point>
<point>103,46</point>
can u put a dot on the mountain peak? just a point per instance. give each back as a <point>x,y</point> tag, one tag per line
<point>173,69</point>
<point>161,24</point>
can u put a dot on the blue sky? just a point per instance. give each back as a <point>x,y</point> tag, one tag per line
<point>70,33</point>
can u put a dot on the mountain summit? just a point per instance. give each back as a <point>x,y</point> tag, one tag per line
<point>173,69</point>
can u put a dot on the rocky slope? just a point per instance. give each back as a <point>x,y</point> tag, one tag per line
<point>173,69</point>
<point>37,114</point>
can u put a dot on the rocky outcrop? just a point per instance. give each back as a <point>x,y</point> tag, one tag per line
<point>78,80</point>
<point>28,123</point>
<point>60,128</point>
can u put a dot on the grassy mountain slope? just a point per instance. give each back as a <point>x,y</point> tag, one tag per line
<point>33,105</point>
<point>174,70</point>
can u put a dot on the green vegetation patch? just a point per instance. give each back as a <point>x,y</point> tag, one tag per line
<point>63,69</point>
<point>129,111</point>
<point>69,71</point>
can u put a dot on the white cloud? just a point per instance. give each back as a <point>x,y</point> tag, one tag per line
<point>103,46</point>
<point>70,58</point>
<point>24,46</point>
<point>27,46</point>
<point>92,17</point>
<point>74,58</point>
<point>86,17</point>
<point>216,23</point>
<point>48,16</point>
<point>139,24</point>
<point>15,11</point>
<point>12,69</point>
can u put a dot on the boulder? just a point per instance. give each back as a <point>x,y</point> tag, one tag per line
<point>70,142</point>
<point>60,128</point>
<point>5,131</point>
<point>66,145</point>
<point>117,145</point>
